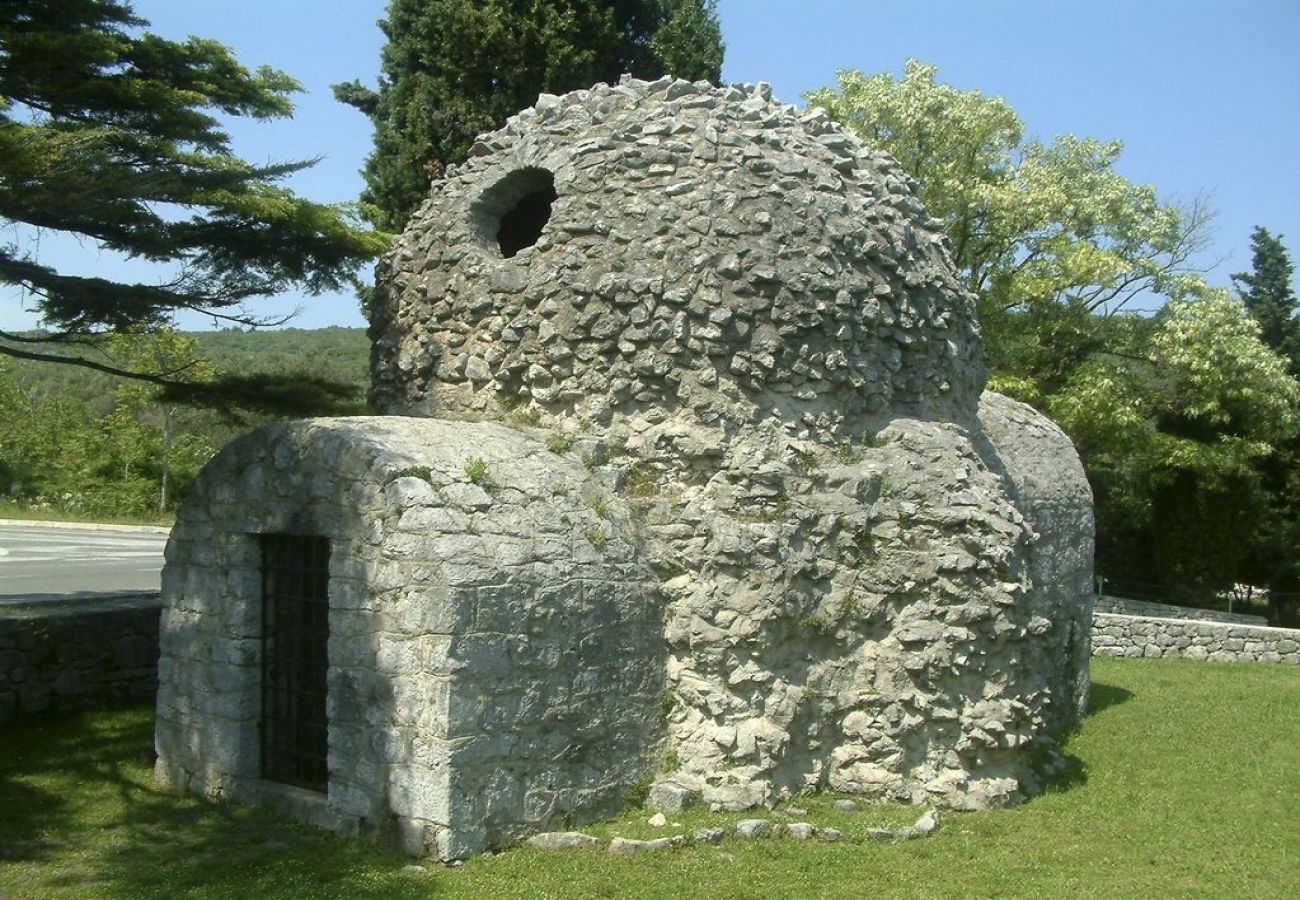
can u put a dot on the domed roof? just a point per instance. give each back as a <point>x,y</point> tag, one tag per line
<point>677,247</point>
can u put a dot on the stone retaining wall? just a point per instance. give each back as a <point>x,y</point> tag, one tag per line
<point>1126,607</point>
<point>1119,635</point>
<point>77,653</point>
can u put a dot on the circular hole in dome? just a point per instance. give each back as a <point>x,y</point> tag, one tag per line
<point>513,212</point>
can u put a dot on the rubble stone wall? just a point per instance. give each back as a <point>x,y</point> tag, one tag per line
<point>743,320</point>
<point>77,654</point>
<point>711,255</point>
<point>755,525</point>
<point>1126,607</point>
<point>1120,635</point>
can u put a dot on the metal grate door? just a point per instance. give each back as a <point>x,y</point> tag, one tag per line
<point>295,633</point>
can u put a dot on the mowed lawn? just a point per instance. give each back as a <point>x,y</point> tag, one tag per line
<point>1185,782</point>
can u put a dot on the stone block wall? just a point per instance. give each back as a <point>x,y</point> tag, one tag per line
<point>77,654</point>
<point>1126,607</point>
<point>1119,635</point>
<point>495,650</point>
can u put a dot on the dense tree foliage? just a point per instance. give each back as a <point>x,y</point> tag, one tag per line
<point>1182,418</point>
<point>1172,419</point>
<point>453,69</point>
<point>1274,561</point>
<point>1267,292</point>
<point>1046,235</point>
<point>113,135</point>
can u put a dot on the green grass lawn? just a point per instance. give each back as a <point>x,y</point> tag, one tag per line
<point>1185,783</point>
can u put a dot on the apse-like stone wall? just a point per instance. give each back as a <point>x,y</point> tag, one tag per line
<point>743,322</point>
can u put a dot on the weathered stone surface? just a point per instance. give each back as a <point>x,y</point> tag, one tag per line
<point>1125,607</point>
<point>781,535</point>
<point>920,828</point>
<point>491,668</point>
<point>629,845</point>
<point>743,316</point>
<point>800,831</point>
<point>81,653</point>
<point>752,828</point>
<point>668,276</point>
<point>668,797</point>
<point>564,840</point>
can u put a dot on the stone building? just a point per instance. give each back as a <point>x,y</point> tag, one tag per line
<point>687,474</point>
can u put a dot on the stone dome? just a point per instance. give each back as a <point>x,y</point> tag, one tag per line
<point>678,247</point>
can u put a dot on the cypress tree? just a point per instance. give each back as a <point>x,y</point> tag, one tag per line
<point>1275,558</point>
<point>1266,290</point>
<point>453,69</point>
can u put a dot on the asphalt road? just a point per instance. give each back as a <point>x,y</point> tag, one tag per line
<point>49,560</point>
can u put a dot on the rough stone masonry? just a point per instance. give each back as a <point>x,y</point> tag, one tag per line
<point>742,393</point>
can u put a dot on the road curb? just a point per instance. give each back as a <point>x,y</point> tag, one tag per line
<point>86,526</point>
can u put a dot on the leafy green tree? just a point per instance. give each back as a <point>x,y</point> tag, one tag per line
<point>1175,415</point>
<point>111,134</point>
<point>1172,421</point>
<point>1046,235</point>
<point>79,440</point>
<point>689,42</point>
<point>1267,292</point>
<point>61,451</point>
<point>453,69</point>
<point>148,421</point>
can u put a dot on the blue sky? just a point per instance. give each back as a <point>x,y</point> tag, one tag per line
<point>1205,95</point>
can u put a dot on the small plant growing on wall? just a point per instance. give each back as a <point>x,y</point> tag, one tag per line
<point>476,470</point>
<point>815,623</point>
<point>422,472</point>
<point>847,453</point>
<point>641,480</point>
<point>806,463</point>
<point>529,417</point>
<point>670,761</point>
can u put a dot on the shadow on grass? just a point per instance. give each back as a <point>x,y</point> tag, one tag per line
<point>1061,771</point>
<point>42,758</point>
<point>79,803</point>
<point>1103,696</point>
<point>27,808</point>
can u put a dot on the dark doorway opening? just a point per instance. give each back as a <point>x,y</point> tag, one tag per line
<point>295,662</point>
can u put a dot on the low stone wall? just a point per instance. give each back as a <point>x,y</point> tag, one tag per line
<point>87,651</point>
<point>1149,636</point>
<point>1126,607</point>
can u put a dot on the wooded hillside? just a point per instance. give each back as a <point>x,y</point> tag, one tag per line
<point>77,441</point>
